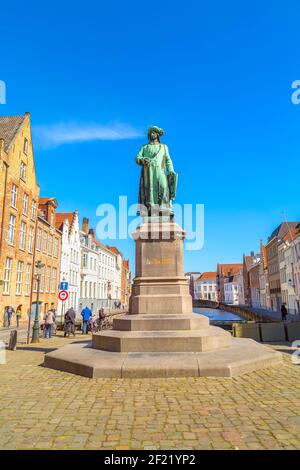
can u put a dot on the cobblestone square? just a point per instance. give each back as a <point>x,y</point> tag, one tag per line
<point>47,409</point>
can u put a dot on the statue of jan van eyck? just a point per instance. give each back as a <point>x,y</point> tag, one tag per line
<point>158,181</point>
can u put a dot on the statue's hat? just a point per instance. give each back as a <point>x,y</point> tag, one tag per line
<point>156,129</point>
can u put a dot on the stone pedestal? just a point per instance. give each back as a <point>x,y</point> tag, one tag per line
<point>160,336</point>
<point>159,286</point>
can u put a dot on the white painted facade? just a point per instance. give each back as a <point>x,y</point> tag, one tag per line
<point>70,261</point>
<point>100,272</point>
<point>205,289</point>
<point>289,278</point>
<point>231,291</point>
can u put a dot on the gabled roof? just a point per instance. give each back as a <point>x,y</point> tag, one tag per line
<point>291,234</point>
<point>230,269</point>
<point>282,229</point>
<point>9,126</point>
<point>60,217</point>
<point>46,200</point>
<point>208,276</point>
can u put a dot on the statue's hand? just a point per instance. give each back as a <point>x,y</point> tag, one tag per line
<point>146,162</point>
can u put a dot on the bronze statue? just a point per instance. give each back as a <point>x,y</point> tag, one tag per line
<point>158,181</point>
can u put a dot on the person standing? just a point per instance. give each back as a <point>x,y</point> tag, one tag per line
<point>86,315</point>
<point>284,312</point>
<point>10,311</point>
<point>19,314</point>
<point>69,326</point>
<point>101,318</point>
<point>48,322</point>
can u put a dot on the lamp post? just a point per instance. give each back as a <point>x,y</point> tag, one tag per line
<point>36,326</point>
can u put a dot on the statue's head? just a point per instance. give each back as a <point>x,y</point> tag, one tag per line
<point>154,133</point>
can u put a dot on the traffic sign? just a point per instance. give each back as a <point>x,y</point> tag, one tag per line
<point>63,285</point>
<point>63,295</point>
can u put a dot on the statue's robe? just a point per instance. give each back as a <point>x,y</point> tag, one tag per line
<point>154,189</point>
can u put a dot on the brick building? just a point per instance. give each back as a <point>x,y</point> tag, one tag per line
<point>19,194</point>
<point>48,251</point>
<point>226,271</point>
<point>273,263</point>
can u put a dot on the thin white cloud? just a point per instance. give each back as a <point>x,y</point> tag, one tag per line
<point>70,133</point>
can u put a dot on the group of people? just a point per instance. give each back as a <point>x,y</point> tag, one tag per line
<point>9,312</point>
<point>90,322</point>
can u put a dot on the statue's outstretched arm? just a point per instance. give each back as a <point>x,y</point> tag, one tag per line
<point>169,164</point>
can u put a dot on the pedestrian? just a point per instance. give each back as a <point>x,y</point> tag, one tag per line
<point>86,315</point>
<point>101,318</point>
<point>18,314</point>
<point>48,323</point>
<point>69,325</point>
<point>10,311</point>
<point>284,312</point>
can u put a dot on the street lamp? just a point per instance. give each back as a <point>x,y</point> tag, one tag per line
<point>36,326</point>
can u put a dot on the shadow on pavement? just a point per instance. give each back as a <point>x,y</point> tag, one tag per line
<point>37,349</point>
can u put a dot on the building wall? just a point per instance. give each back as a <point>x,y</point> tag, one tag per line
<point>19,257</point>
<point>70,265</point>
<point>274,274</point>
<point>205,289</point>
<point>48,251</point>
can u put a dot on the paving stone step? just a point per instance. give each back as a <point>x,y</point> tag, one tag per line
<point>149,322</point>
<point>204,339</point>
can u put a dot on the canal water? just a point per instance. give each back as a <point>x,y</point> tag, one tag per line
<point>218,315</point>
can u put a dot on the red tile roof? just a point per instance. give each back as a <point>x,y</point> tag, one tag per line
<point>60,217</point>
<point>208,276</point>
<point>230,268</point>
<point>291,234</point>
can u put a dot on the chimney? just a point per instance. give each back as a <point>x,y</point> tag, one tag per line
<point>252,254</point>
<point>85,225</point>
<point>91,232</point>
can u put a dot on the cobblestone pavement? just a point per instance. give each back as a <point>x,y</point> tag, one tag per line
<point>45,409</point>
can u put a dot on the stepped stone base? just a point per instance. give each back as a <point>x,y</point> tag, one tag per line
<point>161,337</point>
<point>243,356</point>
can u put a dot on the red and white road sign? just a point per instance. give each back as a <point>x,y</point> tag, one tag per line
<point>63,295</point>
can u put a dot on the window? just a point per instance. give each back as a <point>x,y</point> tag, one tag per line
<point>11,229</point>
<point>55,248</point>
<point>14,194</point>
<point>22,235</point>
<point>48,274</point>
<point>25,146</point>
<point>50,244</point>
<point>25,204</point>
<point>34,281</point>
<point>23,171</point>
<point>44,242</point>
<point>38,239</point>
<point>33,210</point>
<point>42,282</point>
<point>54,277</point>
<point>84,260</point>
<point>19,278</point>
<point>30,240</point>
<point>6,277</point>
<point>27,279</point>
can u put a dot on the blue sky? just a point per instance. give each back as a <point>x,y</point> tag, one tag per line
<point>215,75</point>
